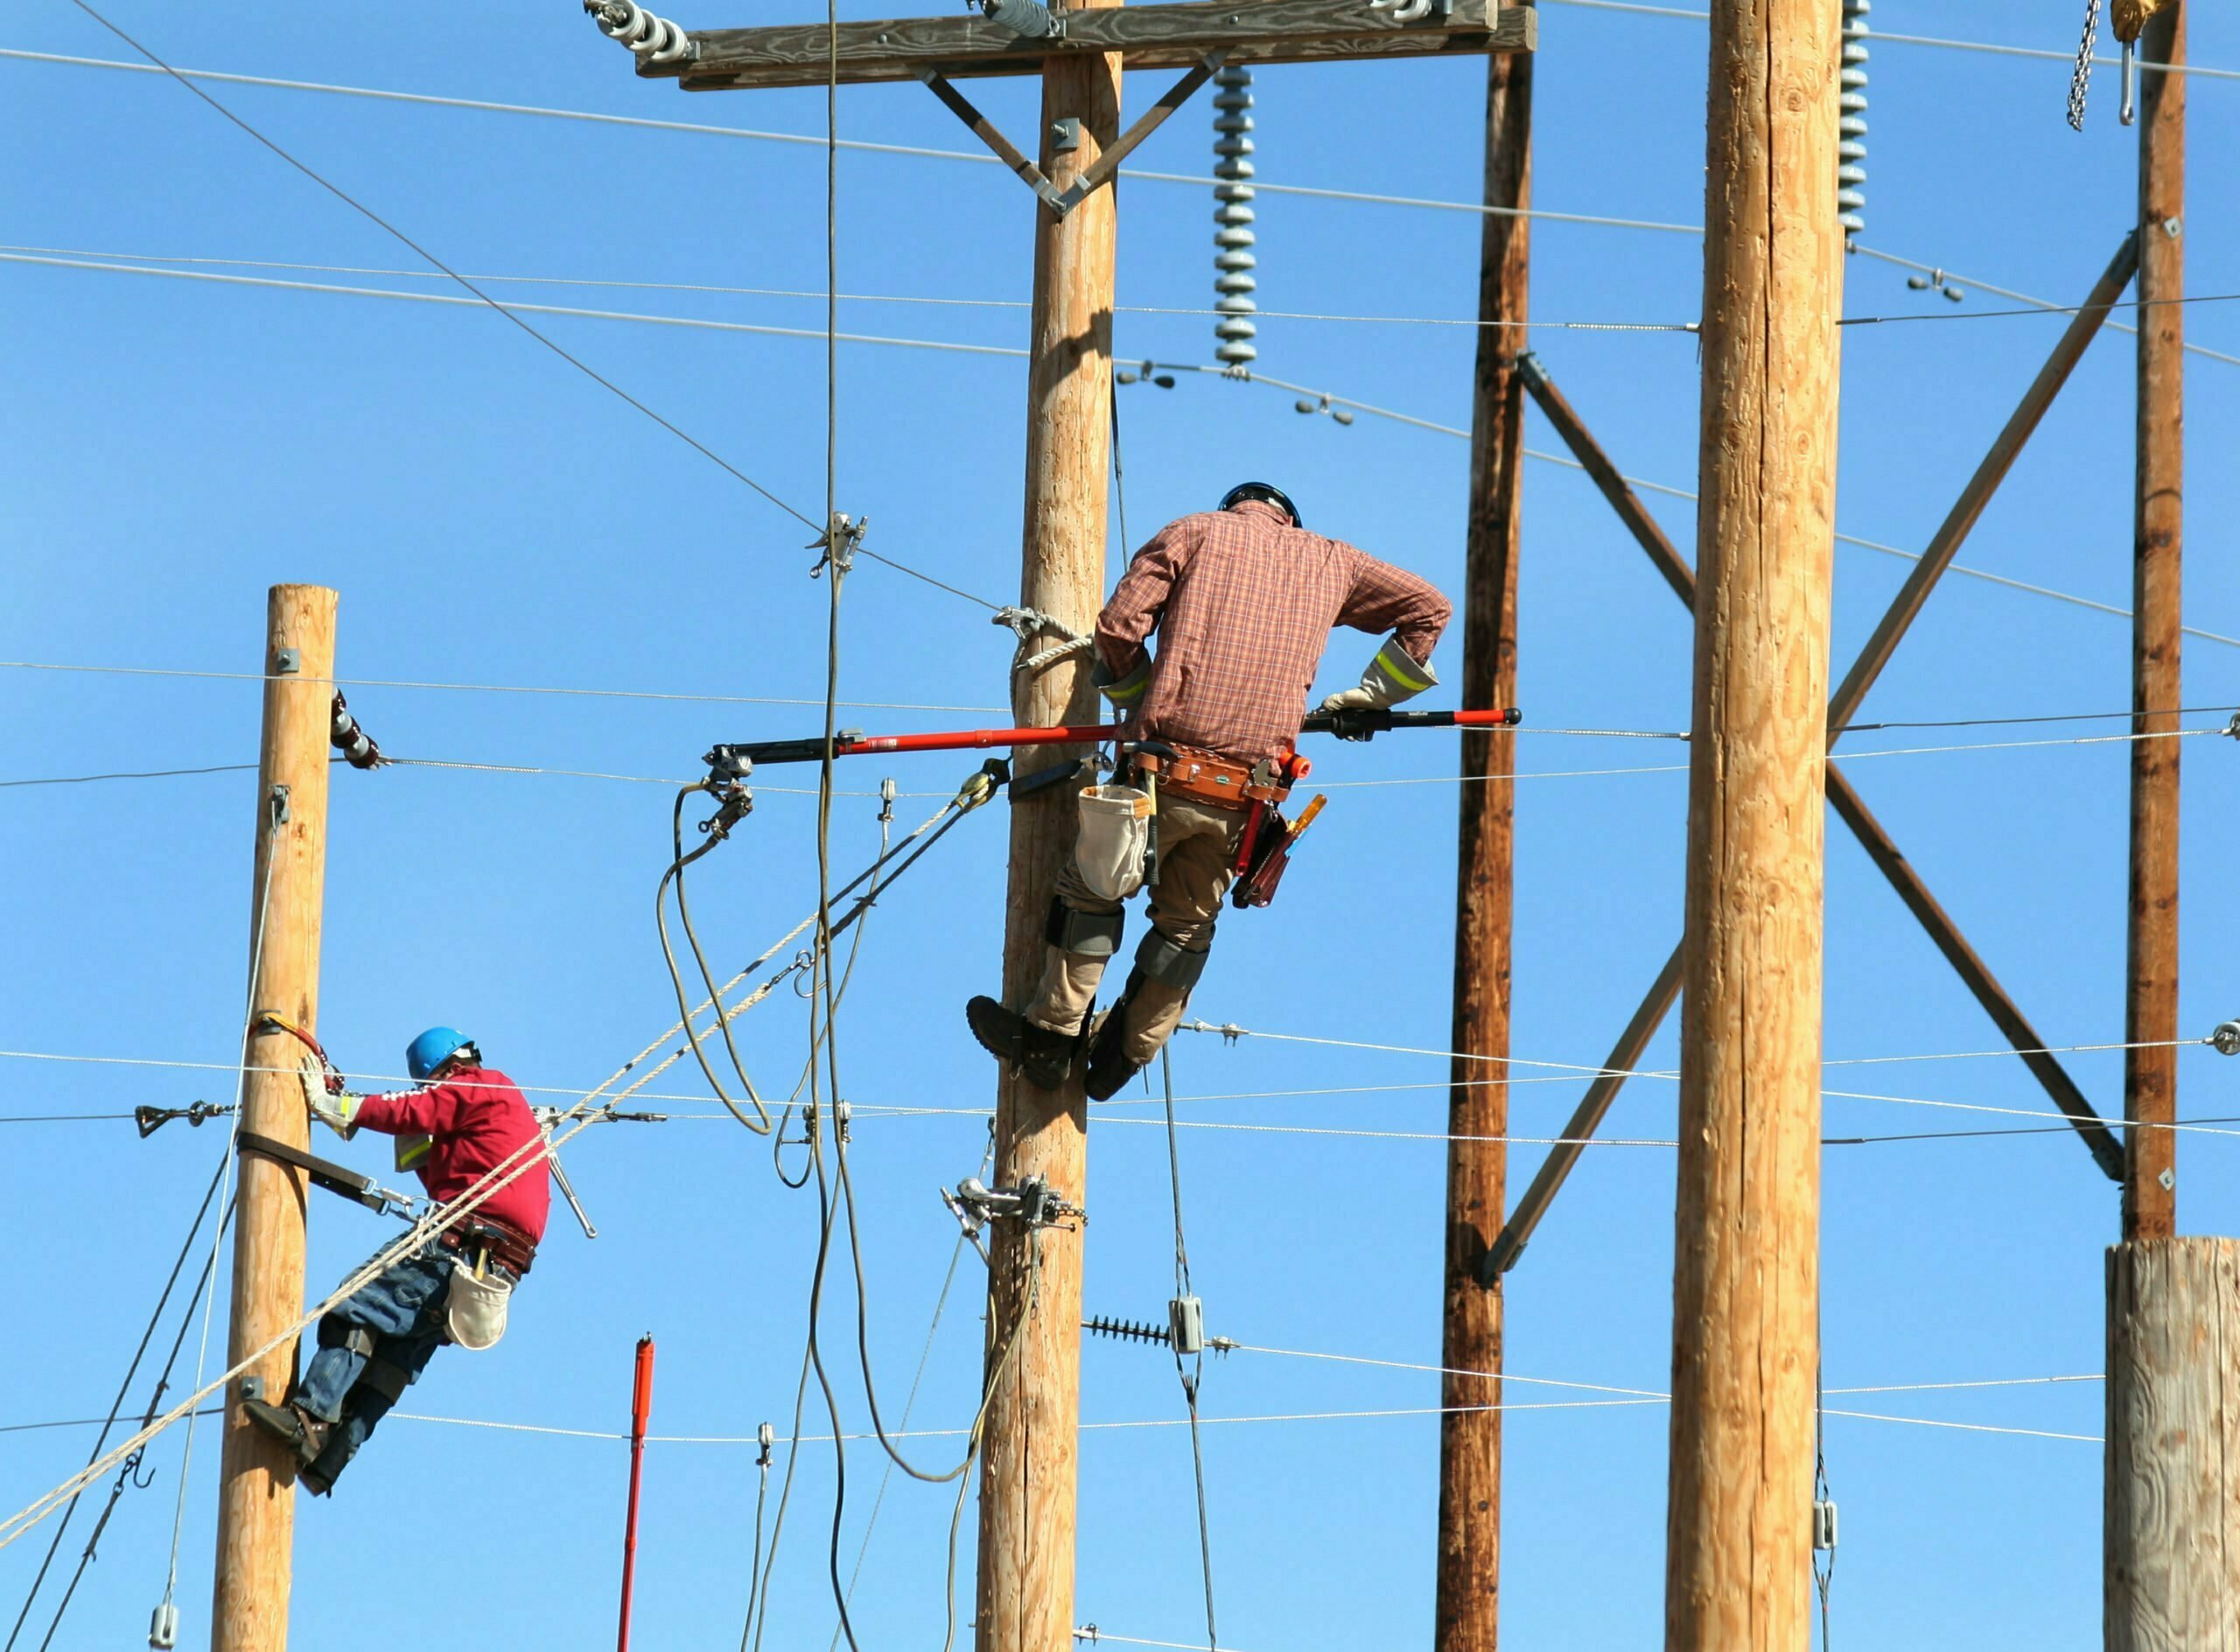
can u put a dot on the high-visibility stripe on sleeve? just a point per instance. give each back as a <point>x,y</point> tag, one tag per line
<point>1397,664</point>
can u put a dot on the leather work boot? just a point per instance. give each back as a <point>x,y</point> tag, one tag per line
<point>1044,1059</point>
<point>305,1434</point>
<point>1110,1069</point>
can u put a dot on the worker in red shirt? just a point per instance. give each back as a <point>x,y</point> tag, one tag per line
<point>1243,599</point>
<point>463,1121</point>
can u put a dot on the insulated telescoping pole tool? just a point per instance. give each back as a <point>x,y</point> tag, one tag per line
<point>1358,726</point>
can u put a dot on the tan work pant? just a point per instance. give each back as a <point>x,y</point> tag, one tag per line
<point>1197,860</point>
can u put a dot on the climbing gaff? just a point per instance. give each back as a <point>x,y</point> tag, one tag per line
<point>741,759</point>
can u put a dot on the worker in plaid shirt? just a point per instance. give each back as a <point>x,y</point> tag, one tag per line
<point>1243,599</point>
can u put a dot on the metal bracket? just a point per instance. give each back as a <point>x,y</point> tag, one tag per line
<point>1066,135</point>
<point>252,1388</point>
<point>286,663</point>
<point>279,801</point>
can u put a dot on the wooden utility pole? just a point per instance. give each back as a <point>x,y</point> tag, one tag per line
<point>1746,1275</point>
<point>256,1516</point>
<point>2151,1012</point>
<point>2171,1543</point>
<point>1477,1170</point>
<point>2171,1580</point>
<point>1029,1463</point>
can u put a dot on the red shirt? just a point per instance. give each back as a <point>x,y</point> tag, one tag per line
<point>1244,603</point>
<point>477,1119</point>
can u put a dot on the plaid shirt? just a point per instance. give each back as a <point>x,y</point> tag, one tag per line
<point>1244,604</point>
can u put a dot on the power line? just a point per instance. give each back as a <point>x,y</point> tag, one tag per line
<point>374,218</point>
<point>2009,292</point>
<point>1880,39</point>
<point>493,687</point>
<point>1287,387</point>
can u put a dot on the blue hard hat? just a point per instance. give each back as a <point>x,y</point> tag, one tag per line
<point>433,1048</point>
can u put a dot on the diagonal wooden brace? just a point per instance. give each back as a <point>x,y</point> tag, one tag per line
<point>984,130</point>
<point>1100,171</point>
<point>2106,1151</point>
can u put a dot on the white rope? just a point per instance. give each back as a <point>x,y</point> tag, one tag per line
<point>425,1231</point>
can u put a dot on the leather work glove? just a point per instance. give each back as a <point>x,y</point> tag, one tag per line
<point>1125,691</point>
<point>338,1113</point>
<point>1394,675</point>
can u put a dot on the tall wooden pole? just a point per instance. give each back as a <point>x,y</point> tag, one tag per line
<point>2171,1577</point>
<point>2171,1554</point>
<point>1477,1171</point>
<point>2150,1012</point>
<point>1746,1275</point>
<point>1029,1463</point>
<point>256,1517</point>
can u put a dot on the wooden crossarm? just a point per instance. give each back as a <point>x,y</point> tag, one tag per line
<point>1148,37</point>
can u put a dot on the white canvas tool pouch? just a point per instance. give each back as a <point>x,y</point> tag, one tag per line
<point>1116,832</point>
<point>474,1311</point>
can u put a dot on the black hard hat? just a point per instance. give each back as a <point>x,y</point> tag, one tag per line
<point>1267,491</point>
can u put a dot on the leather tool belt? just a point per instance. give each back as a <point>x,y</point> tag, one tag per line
<point>510,1250</point>
<point>1205,778</point>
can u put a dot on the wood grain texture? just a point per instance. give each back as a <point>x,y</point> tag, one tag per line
<point>2171,1573</point>
<point>256,1510</point>
<point>2158,609</point>
<point>1030,1462</point>
<point>1468,1601</point>
<point>1146,37</point>
<point>1746,1278</point>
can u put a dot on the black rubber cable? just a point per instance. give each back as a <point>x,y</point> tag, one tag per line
<point>123,1389</point>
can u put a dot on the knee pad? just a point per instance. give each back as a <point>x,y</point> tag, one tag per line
<point>1160,960</point>
<point>1092,935</point>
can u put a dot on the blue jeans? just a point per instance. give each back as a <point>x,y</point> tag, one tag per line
<point>371,1348</point>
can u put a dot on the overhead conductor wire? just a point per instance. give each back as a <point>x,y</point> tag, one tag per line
<point>368,212</point>
<point>62,1526</point>
<point>1191,1376</point>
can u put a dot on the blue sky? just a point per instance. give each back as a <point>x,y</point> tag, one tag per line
<point>491,517</point>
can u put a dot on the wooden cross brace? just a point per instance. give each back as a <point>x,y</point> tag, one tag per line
<point>1150,37</point>
<point>2106,1151</point>
<point>1100,171</point>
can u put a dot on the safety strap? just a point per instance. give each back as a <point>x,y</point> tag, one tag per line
<point>336,1179</point>
<point>387,1380</point>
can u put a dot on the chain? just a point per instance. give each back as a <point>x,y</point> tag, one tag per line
<point>2081,79</point>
